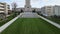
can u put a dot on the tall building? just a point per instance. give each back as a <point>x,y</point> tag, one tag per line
<point>28,11</point>
<point>47,11</point>
<point>4,8</point>
<point>27,5</point>
<point>57,10</point>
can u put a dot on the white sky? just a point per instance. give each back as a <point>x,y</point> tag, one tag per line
<point>34,3</point>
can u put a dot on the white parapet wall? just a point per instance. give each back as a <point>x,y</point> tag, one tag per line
<point>51,22</point>
<point>2,28</point>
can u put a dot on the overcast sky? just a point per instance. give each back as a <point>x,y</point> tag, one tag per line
<point>34,3</point>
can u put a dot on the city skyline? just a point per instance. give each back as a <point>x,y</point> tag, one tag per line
<point>34,3</point>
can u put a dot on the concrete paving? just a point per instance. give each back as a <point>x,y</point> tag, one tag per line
<point>29,15</point>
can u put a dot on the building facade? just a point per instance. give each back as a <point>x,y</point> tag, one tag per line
<point>47,11</point>
<point>27,7</point>
<point>31,9</point>
<point>4,8</point>
<point>57,10</point>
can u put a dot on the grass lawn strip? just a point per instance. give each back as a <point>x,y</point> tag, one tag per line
<point>8,23</point>
<point>31,26</point>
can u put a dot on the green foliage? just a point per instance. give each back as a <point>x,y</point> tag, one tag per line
<point>7,19</point>
<point>21,10</point>
<point>55,19</point>
<point>34,10</point>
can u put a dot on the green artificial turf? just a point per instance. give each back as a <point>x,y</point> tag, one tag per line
<point>31,26</point>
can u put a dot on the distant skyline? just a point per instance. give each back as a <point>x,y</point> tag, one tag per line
<point>34,3</point>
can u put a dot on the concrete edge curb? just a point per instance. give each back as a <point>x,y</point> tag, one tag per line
<point>51,22</point>
<point>2,28</point>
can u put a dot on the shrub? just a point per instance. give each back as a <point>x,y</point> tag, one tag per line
<point>7,19</point>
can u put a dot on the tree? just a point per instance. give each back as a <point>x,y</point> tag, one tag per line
<point>21,10</point>
<point>14,6</point>
<point>2,16</point>
<point>34,10</point>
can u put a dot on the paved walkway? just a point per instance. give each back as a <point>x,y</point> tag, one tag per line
<point>51,22</point>
<point>8,23</point>
<point>29,15</point>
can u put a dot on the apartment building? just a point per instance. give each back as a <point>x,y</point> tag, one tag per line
<point>47,11</point>
<point>57,10</point>
<point>4,8</point>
